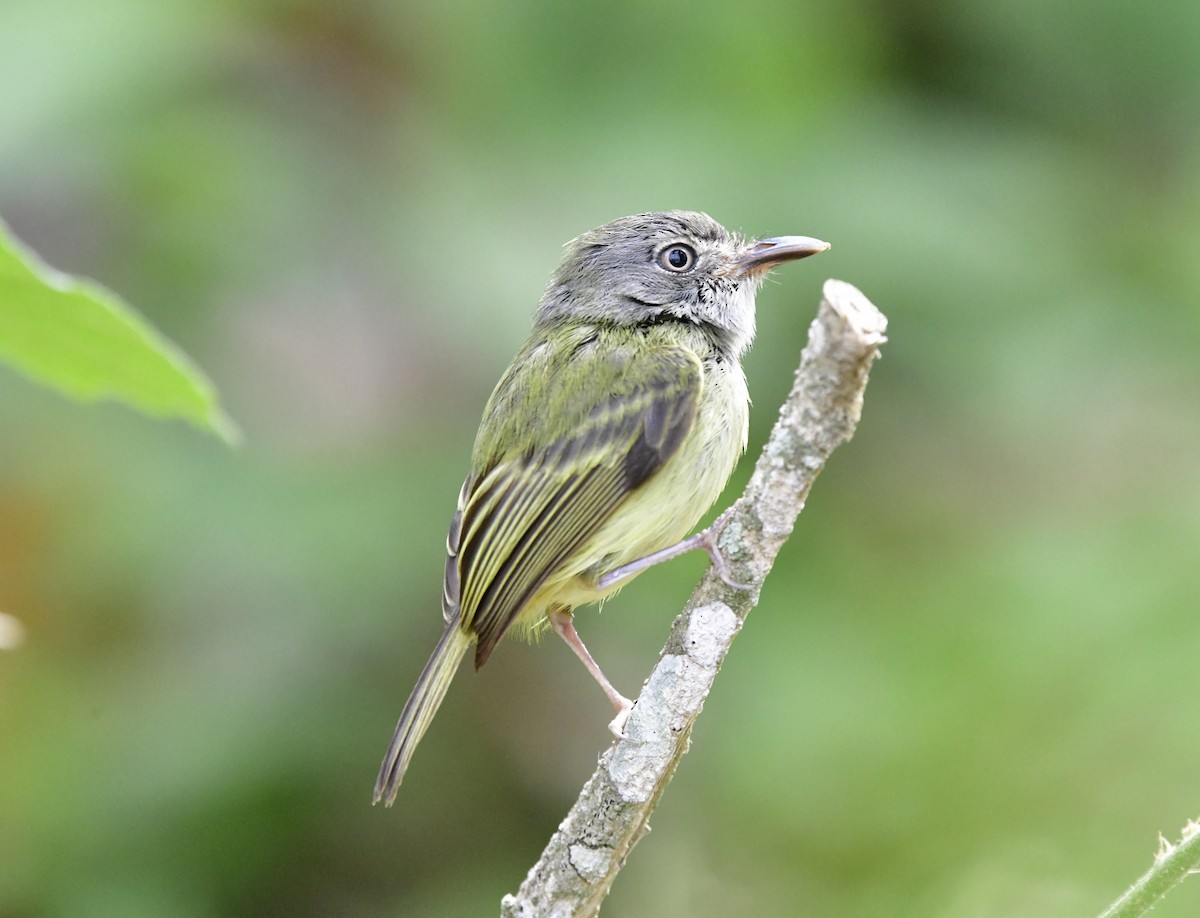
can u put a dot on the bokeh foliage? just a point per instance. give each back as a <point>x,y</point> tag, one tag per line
<point>967,690</point>
<point>83,341</point>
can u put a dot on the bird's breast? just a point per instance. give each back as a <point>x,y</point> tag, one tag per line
<point>668,506</point>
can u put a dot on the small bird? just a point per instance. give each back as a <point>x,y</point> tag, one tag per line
<point>611,434</point>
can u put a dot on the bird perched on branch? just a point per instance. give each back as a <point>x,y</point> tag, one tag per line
<point>611,434</point>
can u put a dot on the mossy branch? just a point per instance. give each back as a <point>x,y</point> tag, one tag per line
<point>578,866</point>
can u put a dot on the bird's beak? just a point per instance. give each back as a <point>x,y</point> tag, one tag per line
<point>767,253</point>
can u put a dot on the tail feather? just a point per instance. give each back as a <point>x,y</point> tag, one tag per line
<point>422,704</point>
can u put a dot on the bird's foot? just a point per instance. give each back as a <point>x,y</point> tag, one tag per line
<point>617,725</point>
<point>707,539</point>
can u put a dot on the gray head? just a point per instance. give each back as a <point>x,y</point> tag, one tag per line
<point>663,267</point>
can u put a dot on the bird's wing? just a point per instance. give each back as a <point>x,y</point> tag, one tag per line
<point>520,520</point>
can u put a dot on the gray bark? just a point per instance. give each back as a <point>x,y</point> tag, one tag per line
<point>578,866</point>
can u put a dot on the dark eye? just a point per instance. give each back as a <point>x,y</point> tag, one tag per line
<point>677,257</point>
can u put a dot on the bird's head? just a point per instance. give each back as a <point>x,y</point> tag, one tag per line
<point>672,266</point>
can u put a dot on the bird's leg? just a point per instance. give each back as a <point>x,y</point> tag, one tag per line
<point>705,539</point>
<point>561,620</point>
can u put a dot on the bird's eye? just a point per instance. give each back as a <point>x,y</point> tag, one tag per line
<point>677,258</point>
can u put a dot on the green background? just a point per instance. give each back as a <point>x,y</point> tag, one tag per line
<point>970,688</point>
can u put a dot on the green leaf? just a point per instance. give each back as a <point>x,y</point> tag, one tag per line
<point>74,336</point>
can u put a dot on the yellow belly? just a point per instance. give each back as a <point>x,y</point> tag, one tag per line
<point>667,507</point>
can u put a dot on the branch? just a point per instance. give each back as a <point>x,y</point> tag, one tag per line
<point>578,867</point>
<point>1172,864</point>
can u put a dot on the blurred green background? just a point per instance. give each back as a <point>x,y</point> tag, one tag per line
<point>970,687</point>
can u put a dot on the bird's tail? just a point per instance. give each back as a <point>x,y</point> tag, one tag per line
<point>422,704</point>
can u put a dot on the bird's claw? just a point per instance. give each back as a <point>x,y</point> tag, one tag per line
<point>709,542</point>
<point>617,725</point>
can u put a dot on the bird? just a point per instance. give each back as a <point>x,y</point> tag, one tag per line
<point>612,432</point>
